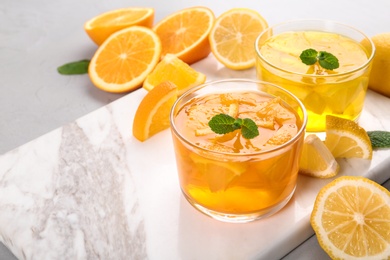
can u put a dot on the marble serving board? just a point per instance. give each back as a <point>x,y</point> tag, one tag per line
<point>90,190</point>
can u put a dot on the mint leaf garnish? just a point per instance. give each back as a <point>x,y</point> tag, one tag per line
<point>223,124</point>
<point>249,128</point>
<point>309,56</point>
<point>72,68</point>
<point>379,139</point>
<point>325,59</point>
<point>328,60</point>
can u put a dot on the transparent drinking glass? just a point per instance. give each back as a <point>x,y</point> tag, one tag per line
<point>339,92</point>
<point>226,176</point>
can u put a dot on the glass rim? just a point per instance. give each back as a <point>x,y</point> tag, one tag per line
<point>364,65</point>
<point>196,88</point>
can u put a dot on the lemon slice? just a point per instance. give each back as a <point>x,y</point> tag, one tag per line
<point>316,159</point>
<point>346,139</point>
<point>233,36</point>
<point>351,218</point>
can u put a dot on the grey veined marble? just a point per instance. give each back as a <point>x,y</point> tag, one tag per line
<point>67,192</point>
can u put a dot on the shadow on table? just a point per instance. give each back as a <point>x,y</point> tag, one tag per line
<point>5,254</point>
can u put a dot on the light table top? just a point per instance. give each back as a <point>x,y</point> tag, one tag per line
<point>73,180</point>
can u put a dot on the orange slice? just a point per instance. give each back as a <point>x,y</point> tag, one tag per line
<point>351,218</point>
<point>173,69</point>
<point>233,36</point>
<point>185,33</point>
<point>217,173</point>
<point>124,60</point>
<point>346,139</point>
<point>105,24</point>
<point>152,115</point>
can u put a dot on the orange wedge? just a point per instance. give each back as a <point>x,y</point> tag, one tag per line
<point>124,60</point>
<point>185,33</point>
<point>173,69</point>
<point>105,24</point>
<point>233,36</point>
<point>152,115</point>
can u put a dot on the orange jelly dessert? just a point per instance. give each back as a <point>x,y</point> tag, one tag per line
<point>227,174</point>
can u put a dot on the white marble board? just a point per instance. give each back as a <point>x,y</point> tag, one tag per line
<point>91,190</point>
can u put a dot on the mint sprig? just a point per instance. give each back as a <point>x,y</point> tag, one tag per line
<point>325,59</point>
<point>379,139</point>
<point>223,124</point>
<point>73,68</point>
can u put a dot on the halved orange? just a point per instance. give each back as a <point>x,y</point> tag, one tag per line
<point>105,24</point>
<point>232,38</point>
<point>124,60</point>
<point>152,115</point>
<point>185,33</point>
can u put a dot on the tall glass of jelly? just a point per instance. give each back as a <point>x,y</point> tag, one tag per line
<point>339,92</point>
<point>227,176</point>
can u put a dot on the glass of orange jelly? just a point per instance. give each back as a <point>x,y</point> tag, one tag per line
<point>339,92</point>
<point>227,176</point>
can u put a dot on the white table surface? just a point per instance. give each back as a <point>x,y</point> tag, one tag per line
<point>36,36</point>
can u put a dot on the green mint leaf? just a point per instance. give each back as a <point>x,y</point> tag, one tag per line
<point>249,129</point>
<point>328,61</point>
<point>223,124</point>
<point>238,123</point>
<point>72,68</point>
<point>309,56</point>
<point>379,139</point>
<point>325,59</point>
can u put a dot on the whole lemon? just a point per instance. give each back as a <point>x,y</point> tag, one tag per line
<point>380,73</point>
